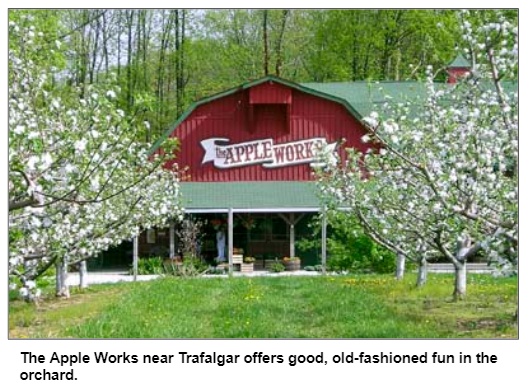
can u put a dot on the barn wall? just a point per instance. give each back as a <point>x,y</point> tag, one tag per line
<point>235,118</point>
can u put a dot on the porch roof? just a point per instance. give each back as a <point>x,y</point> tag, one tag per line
<point>269,196</point>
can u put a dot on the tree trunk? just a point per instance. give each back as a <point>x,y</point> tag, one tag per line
<point>399,270</point>
<point>119,31</point>
<point>105,45</point>
<point>279,54</point>
<point>146,38</point>
<point>83,275</point>
<point>62,288</point>
<point>178,60</point>
<point>465,247</point>
<point>422,272</point>
<point>165,28</point>
<point>461,280</point>
<point>180,77</point>
<point>397,64</point>
<point>137,56</point>
<point>130,21</point>
<point>265,44</point>
<point>95,50</point>
<point>58,278</point>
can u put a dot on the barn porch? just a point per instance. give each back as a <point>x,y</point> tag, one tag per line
<point>262,220</point>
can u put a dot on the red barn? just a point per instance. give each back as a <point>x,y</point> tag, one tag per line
<point>250,153</point>
<point>265,130</point>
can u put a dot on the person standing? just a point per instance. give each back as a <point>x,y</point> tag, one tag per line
<point>220,243</point>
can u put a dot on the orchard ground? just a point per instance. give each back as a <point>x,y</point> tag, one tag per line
<point>359,306</point>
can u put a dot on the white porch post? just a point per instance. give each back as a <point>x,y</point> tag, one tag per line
<point>172,252</point>
<point>291,235</point>
<point>324,238</point>
<point>231,241</point>
<point>291,222</point>
<point>136,255</point>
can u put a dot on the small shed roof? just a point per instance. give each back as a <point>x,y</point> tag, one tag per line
<point>459,62</point>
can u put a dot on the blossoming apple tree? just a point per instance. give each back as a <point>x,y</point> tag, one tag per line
<point>443,177</point>
<point>79,179</point>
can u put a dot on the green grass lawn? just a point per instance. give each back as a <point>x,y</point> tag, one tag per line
<point>285,307</point>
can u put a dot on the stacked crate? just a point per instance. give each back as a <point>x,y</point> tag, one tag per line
<point>247,267</point>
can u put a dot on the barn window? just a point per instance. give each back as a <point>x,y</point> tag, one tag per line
<point>270,106</point>
<point>270,119</point>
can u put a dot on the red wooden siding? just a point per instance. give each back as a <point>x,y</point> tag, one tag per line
<point>455,73</point>
<point>235,118</point>
<point>272,93</point>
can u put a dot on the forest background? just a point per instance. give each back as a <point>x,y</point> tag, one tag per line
<point>163,60</point>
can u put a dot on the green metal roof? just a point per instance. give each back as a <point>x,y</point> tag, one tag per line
<point>249,195</point>
<point>366,97</point>
<point>459,62</point>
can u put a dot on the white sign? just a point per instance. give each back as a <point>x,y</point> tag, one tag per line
<point>265,152</point>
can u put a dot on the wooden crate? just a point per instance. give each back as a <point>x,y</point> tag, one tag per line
<point>247,267</point>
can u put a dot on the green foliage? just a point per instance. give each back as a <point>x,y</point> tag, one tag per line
<point>46,282</point>
<point>277,267</point>
<point>177,57</point>
<point>216,271</point>
<point>378,44</point>
<point>47,29</point>
<point>358,253</point>
<point>146,266</point>
<point>349,248</point>
<point>190,267</point>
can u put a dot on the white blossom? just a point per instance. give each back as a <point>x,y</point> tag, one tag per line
<point>73,182</point>
<point>441,170</point>
<point>80,145</point>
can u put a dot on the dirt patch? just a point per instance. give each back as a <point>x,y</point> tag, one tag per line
<point>49,317</point>
<point>494,325</point>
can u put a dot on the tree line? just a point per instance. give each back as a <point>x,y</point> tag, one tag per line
<point>163,60</point>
